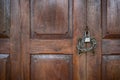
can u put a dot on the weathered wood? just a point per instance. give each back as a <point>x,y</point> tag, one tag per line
<point>79,61</point>
<point>111,43</point>
<point>94,25</point>
<point>51,46</point>
<point>111,46</point>
<point>111,18</point>
<point>4,67</point>
<point>4,18</point>
<point>4,46</point>
<point>15,41</point>
<point>51,19</point>
<point>25,38</point>
<point>111,67</point>
<point>51,67</point>
<point>43,39</point>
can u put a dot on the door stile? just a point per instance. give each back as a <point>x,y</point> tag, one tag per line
<point>94,24</point>
<point>79,22</point>
<point>25,39</point>
<point>15,40</point>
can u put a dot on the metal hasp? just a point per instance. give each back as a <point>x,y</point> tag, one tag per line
<point>81,46</point>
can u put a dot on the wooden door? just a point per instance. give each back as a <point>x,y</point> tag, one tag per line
<point>38,39</point>
<point>10,40</point>
<point>111,40</point>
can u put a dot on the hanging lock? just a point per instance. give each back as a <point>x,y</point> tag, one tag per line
<point>86,39</point>
<point>87,36</point>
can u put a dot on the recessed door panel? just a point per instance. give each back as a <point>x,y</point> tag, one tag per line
<point>111,67</point>
<point>50,18</point>
<point>4,18</point>
<point>51,67</point>
<point>111,18</point>
<point>4,67</point>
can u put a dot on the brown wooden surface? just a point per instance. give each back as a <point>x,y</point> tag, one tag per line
<point>4,46</point>
<point>111,67</point>
<point>94,24</point>
<point>43,36</point>
<point>4,18</point>
<point>51,33</point>
<point>111,40</point>
<point>79,20</point>
<point>50,19</point>
<point>4,67</point>
<point>51,46</point>
<point>15,41</point>
<point>111,18</point>
<point>51,67</point>
<point>111,47</point>
<point>25,36</point>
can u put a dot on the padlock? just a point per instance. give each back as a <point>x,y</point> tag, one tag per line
<point>87,37</point>
<point>82,47</point>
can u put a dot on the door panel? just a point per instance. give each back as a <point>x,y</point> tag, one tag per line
<point>53,67</point>
<point>4,67</point>
<point>4,46</point>
<point>111,18</point>
<point>50,19</point>
<point>111,40</point>
<point>111,46</point>
<point>4,18</point>
<point>111,67</point>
